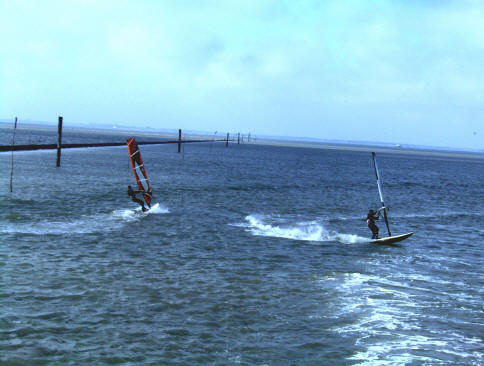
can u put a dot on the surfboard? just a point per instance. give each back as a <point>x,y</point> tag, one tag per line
<point>139,170</point>
<point>390,240</point>
<point>153,208</point>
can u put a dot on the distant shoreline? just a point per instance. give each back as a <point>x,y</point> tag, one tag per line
<point>270,141</point>
<point>374,148</point>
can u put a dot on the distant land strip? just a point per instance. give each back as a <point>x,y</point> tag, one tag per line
<point>99,144</point>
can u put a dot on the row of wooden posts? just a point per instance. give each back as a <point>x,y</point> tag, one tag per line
<point>59,145</point>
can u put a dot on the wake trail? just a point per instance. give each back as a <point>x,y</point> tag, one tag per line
<point>306,230</point>
<point>136,214</point>
<point>83,224</point>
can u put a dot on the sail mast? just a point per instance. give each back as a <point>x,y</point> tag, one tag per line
<point>381,194</point>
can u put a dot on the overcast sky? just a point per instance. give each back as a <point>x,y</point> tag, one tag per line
<point>405,71</point>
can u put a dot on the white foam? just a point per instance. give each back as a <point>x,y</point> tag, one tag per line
<point>84,224</point>
<point>127,215</point>
<point>158,209</point>
<point>384,317</point>
<point>387,353</point>
<point>307,230</point>
<point>137,214</point>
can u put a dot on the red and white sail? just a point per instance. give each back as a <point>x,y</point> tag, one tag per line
<point>139,170</point>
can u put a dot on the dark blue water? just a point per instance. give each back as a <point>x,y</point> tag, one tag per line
<point>255,255</point>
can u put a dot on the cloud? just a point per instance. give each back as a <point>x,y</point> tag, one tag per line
<point>239,63</point>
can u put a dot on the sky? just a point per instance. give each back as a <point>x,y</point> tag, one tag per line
<point>401,71</point>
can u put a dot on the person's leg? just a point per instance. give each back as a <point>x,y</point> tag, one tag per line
<point>138,201</point>
<point>374,231</point>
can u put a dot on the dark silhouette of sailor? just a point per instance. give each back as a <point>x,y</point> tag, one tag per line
<point>370,220</point>
<point>132,194</point>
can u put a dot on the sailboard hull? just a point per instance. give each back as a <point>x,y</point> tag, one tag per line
<point>392,239</point>
<point>139,170</point>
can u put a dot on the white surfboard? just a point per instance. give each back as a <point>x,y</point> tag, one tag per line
<point>153,208</point>
<point>391,239</point>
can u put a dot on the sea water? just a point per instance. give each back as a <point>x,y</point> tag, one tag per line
<point>255,255</point>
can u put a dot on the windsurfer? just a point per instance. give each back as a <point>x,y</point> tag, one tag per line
<point>132,194</point>
<point>370,220</point>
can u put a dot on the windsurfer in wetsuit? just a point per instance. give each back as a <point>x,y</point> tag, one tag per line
<point>370,220</point>
<point>132,194</point>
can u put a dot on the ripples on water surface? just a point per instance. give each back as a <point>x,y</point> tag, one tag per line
<point>256,255</point>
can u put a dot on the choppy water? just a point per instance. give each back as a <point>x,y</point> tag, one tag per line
<point>256,255</point>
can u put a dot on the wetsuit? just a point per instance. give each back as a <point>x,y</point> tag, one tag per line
<point>132,195</point>
<point>370,219</point>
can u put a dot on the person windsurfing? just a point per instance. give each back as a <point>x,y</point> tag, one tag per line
<point>132,194</point>
<point>370,220</point>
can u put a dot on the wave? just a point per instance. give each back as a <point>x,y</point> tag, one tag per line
<point>383,314</point>
<point>137,214</point>
<point>306,230</point>
<point>86,224</point>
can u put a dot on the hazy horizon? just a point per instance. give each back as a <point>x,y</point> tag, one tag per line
<point>233,136</point>
<point>403,72</point>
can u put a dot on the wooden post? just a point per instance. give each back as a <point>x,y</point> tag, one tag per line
<point>238,138</point>
<point>179,139</point>
<point>227,141</point>
<point>13,143</point>
<point>59,140</point>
